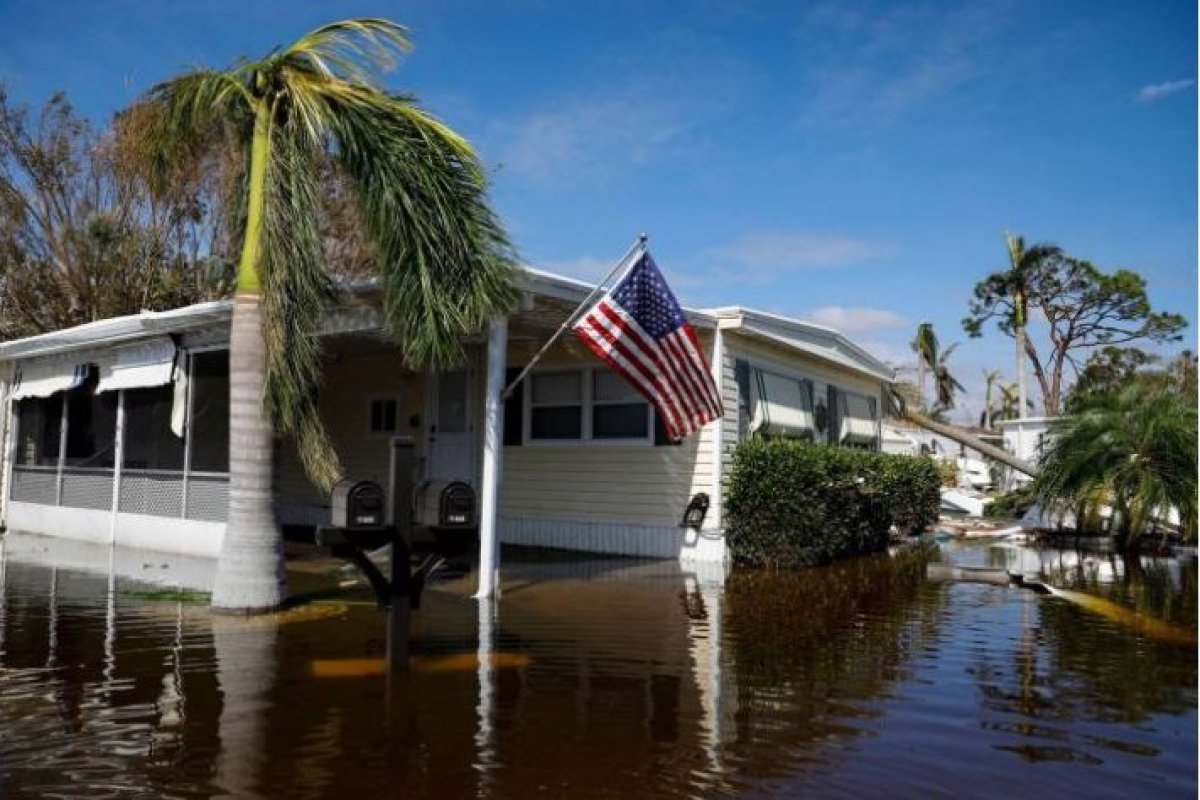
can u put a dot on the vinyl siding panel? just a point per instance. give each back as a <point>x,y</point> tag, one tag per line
<point>639,485</point>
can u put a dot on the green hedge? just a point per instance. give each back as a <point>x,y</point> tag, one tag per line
<point>792,504</point>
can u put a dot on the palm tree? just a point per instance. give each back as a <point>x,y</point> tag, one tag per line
<point>945,385</point>
<point>445,263</point>
<point>1009,403</point>
<point>990,376</point>
<point>925,345</point>
<point>1135,450</point>
<point>1022,263</point>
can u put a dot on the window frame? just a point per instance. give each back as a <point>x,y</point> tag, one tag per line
<point>587,403</point>
<point>807,390</point>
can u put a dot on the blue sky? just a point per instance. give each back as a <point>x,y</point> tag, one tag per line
<point>853,163</point>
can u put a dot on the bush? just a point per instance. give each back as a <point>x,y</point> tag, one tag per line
<point>792,504</point>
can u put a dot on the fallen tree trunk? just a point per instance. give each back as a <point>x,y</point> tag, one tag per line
<point>967,440</point>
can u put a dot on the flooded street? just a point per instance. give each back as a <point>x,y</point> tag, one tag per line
<point>614,678</point>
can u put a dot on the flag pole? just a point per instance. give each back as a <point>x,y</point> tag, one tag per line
<point>638,246</point>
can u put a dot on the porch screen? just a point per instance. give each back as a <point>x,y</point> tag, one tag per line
<point>857,418</point>
<point>781,406</point>
<point>138,366</point>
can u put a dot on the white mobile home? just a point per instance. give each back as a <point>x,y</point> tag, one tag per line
<point>117,431</point>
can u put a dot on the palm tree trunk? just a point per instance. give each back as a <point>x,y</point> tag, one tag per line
<point>250,571</point>
<point>1021,394</point>
<point>920,381</point>
<point>967,440</point>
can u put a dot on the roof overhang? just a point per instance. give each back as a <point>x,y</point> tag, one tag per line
<point>105,332</point>
<point>809,338</point>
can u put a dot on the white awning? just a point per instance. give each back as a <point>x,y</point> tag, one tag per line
<point>780,406</point>
<point>858,419</point>
<point>138,366</point>
<point>44,377</point>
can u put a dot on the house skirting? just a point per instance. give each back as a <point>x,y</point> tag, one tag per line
<point>614,538</point>
<point>134,531</point>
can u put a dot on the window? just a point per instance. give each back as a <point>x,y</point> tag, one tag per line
<point>556,406</point>
<point>209,430</point>
<point>781,405</point>
<point>149,441</point>
<point>618,410</point>
<point>91,426</point>
<point>857,414</point>
<point>39,421</point>
<point>383,416</point>
<point>587,405</point>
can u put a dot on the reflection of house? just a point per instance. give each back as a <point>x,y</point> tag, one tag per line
<point>119,428</point>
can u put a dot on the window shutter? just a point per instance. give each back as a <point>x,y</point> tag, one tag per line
<point>741,374</point>
<point>514,411</point>
<point>834,414</point>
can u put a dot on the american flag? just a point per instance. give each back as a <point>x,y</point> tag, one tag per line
<point>639,330</point>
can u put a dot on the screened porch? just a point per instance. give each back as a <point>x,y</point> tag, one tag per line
<point>141,429</point>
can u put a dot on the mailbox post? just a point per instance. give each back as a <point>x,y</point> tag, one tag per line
<point>400,516</point>
<point>363,517</point>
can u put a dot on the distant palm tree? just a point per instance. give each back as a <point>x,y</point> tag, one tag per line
<point>945,385</point>
<point>445,263</point>
<point>925,345</point>
<point>990,376</point>
<point>1134,450</point>
<point>1022,265</point>
<point>1010,403</point>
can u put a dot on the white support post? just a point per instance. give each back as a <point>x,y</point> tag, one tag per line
<point>8,451</point>
<point>493,449</point>
<point>62,448</point>
<point>715,510</point>
<point>118,465</point>
<point>190,369</point>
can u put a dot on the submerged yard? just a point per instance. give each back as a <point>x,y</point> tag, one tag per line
<point>613,678</point>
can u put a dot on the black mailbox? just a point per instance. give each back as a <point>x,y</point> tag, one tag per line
<point>357,504</point>
<point>447,505</point>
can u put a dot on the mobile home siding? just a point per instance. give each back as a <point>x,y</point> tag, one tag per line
<point>350,383</point>
<point>636,485</point>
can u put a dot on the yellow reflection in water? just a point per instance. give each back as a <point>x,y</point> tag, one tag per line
<point>1146,625</point>
<point>455,662</point>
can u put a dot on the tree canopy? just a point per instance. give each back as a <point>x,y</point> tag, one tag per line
<point>82,237</point>
<point>1077,307</point>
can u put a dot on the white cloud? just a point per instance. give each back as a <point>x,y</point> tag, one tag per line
<point>585,137</point>
<point>775,251</point>
<point>632,107</point>
<point>1157,91</point>
<point>856,320</point>
<point>878,67</point>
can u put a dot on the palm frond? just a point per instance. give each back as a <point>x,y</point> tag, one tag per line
<point>1135,449</point>
<point>296,292</point>
<point>184,119</point>
<point>354,51</point>
<point>446,263</point>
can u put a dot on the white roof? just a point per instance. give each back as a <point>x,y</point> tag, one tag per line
<point>806,337</point>
<point>816,340</point>
<point>118,329</point>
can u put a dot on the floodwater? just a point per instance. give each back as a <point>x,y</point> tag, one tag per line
<point>613,678</point>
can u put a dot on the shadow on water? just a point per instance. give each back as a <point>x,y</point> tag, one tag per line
<point>601,678</point>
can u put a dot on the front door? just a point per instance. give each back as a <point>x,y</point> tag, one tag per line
<point>451,432</point>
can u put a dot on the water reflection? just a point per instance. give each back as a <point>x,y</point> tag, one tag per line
<point>607,677</point>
